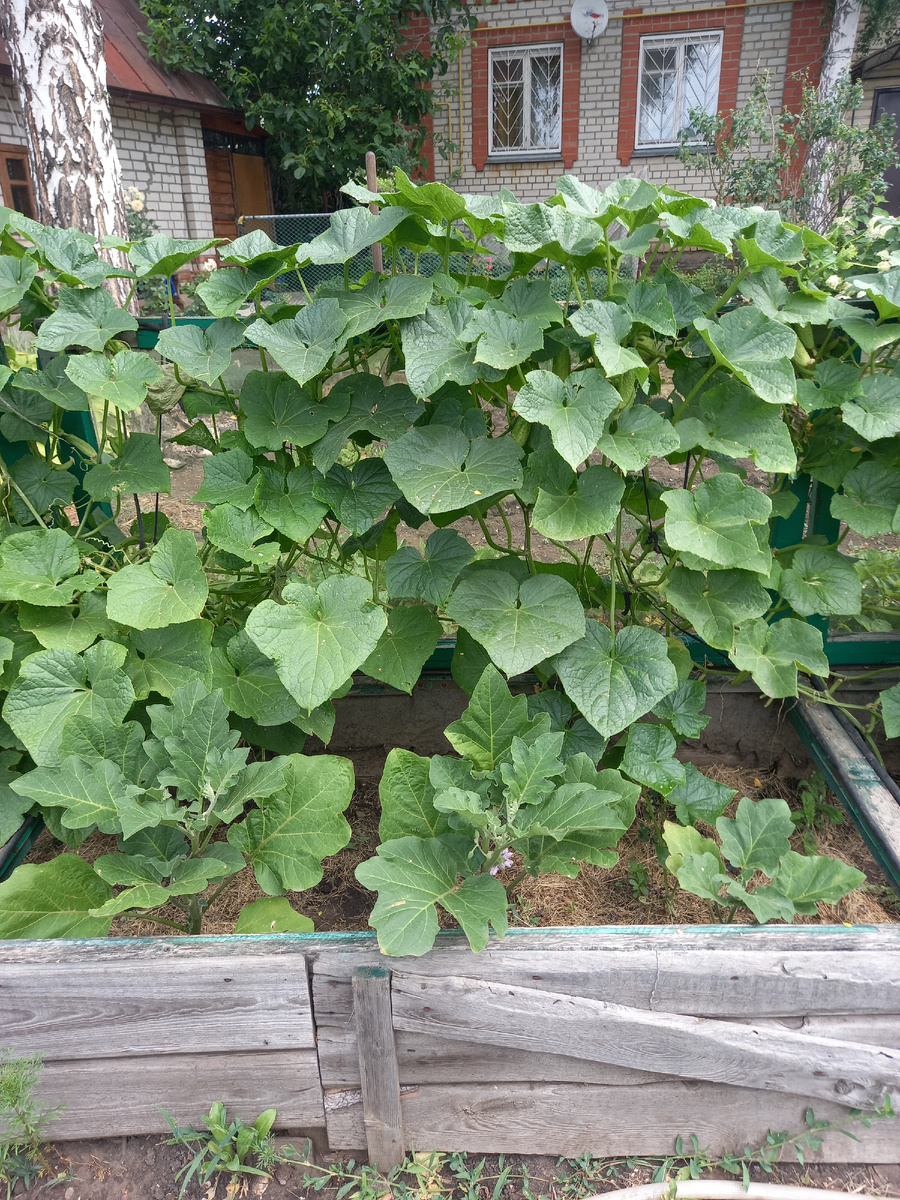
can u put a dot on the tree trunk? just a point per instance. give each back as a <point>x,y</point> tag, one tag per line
<point>836,63</point>
<point>56,48</point>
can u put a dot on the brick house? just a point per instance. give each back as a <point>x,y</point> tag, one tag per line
<point>530,100</point>
<point>179,140</point>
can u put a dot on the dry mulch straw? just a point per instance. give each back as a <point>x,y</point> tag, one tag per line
<point>631,893</point>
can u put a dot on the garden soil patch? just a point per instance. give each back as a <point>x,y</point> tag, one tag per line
<point>631,893</point>
<point>144,1168</point>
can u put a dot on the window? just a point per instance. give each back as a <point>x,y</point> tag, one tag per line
<point>677,73</point>
<point>526,101</point>
<point>15,182</point>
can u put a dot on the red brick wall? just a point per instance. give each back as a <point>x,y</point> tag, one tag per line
<point>809,32</point>
<point>490,39</point>
<point>730,20</point>
<point>417,37</point>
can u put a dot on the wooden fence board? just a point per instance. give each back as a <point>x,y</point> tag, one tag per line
<point>378,1067</point>
<point>728,983</point>
<point>526,1019</point>
<point>430,1059</point>
<point>574,1119</point>
<point>123,1096</point>
<point>832,938</point>
<point>120,1008</point>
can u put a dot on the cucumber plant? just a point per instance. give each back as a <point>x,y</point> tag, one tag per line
<point>571,442</point>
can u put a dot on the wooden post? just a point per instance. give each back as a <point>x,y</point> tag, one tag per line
<point>378,1069</point>
<point>372,185</point>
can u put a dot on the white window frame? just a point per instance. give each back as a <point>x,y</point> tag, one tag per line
<point>680,40</point>
<point>526,53</point>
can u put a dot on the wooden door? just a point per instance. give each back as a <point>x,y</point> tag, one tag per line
<point>221,192</point>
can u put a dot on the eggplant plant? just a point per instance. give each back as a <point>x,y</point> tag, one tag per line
<point>506,435</point>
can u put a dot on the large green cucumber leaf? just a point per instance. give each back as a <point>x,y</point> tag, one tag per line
<point>237,532</point>
<point>439,469</point>
<point>16,277</point>
<point>437,347</point>
<point>54,900</point>
<point>772,654</point>
<point>756,349</point>
<point>383,412</point>
<point>757,837</point>
<point>549,231</point>
<point>319,636</point>
<point>876,413</point>
<point>140,468</point>
<point>428,575</point>
<point>53,384</point>
<point>769,293</point>
<point>350,231</point>
<point>54,685</point>
<point>485,731</point>
<point>614,681</point>
<point>884,289</point>
<point>409,640</point>
<point>700,798</point>
<point>640,434</point>
<point>205,354</point>
<point>589,510</point>
<point>890,710</point>
<point>303,346</point>
<point>683,709</point>
<point>574,410</point>
<point>122,380</point>
<point>869,500</point>
<point>228,478</point>
<point>227,290</point>
<point>407,798</point>
<point>286,839</point>
<point>13,807</point>
<point>716,522</point>
<point>277,410</point>
<point>396,298</point>
<point>412,876</point>
<point>84,317</point>
<point>833,384</point>
<point>649,304</point>
<point>810,880</point>
<point>250,684</point>
<point>770,243</point>
<point>45,485</point>
<point>92,795</point>
<point>358,496</point>
<point>167,590</point>
<point>607,325</point>
<point>38,567</point>
<point>288,502</point>
<point>518,624</point>
<point>715,603</point>
<point>821,581</point>
<point>161,660</point>
<point>532,299</point>
<point>503,341</point>
<point>731,419</point>
<point>650,758</point>
<point>95,741</point>
<point>162,255</point>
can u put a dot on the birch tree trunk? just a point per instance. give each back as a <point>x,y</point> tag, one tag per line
<point>836,63</point>
<point>56,48</point>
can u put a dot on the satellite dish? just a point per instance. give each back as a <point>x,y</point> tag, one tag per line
<point>590,19</point>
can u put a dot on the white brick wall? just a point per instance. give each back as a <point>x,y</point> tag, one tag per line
<point>765,45</point>
<point>161,152</point>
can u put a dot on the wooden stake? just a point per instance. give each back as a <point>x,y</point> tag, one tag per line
<point>379,1074</point>
<point>372,185</point>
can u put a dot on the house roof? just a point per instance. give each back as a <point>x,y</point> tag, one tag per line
<point>131,75</point>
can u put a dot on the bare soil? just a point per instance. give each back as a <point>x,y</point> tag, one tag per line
<point>144,1168</point>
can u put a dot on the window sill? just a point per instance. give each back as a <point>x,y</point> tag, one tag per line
<point>655,151</point>
<point>496,160</point>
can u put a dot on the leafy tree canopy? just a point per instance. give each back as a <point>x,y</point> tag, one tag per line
<point>328,80</point>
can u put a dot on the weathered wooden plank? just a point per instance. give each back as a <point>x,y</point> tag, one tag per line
<point>434,1059</point>
<point>724,983</point>
<point>472,1010</point>
<point>574,1119</point>
<point>676,938</point>
<point>123,1008</point>
<point>379,1077</point>
<point>119,1096</point>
